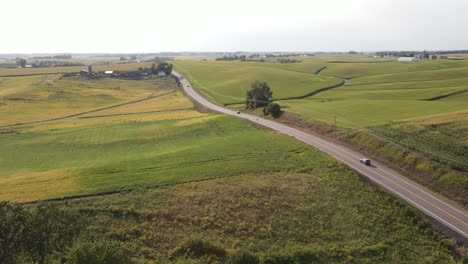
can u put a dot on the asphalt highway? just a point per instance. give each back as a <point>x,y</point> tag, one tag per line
<point>454,218</point>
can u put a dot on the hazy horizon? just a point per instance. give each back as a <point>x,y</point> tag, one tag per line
<point>143,26</point>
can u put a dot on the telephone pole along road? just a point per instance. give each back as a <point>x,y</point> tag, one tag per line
<point>415,194</point>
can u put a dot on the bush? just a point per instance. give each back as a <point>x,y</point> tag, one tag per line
<point>198,248</point>
<point>241,257</point>
<point>272,109</point>
<point>12,219</point>
<point>101,251</point>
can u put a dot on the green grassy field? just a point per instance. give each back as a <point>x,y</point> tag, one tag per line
<point>325,214</point>
<point>361,69</point>
<point>227,82</point>
<point>136,149</point>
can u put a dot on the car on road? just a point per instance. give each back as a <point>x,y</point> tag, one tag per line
<point>365,161</point>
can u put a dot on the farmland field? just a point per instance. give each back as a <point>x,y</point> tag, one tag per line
<point>227,82</point>
<point>181,177</point>
<point>114,152</point>
<point>33,98</point>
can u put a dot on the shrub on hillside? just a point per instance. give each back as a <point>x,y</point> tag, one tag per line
<point>242,257</point>
<point>100,251</point>
<point>273,109</point>
<point>198,248</point>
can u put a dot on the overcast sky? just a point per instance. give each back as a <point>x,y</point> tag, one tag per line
<point>57,26</point>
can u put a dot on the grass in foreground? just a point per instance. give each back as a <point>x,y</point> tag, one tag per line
<point>325,214</point>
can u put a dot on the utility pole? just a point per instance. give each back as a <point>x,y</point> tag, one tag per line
<point>335,124</point>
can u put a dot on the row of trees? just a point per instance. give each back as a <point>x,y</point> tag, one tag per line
<point>160,67</point>
<point>47,234</point>
<point>260,95</point>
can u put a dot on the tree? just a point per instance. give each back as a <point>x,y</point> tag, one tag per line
<point>12,220</point>
<point>272,109</point>
<point>49,230</point>
<point>153,68</point>
<point>165,67</point>
<point>21,62</point>
<point>259,95</point>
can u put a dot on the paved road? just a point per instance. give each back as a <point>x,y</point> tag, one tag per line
<point>454,218</point>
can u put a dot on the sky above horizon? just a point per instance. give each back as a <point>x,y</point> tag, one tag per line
<point>139,26</point>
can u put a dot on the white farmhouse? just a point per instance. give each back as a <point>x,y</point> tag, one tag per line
<point>407,59</point>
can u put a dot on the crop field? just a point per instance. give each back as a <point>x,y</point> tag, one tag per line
<point>361,69</point>
<point>113,151</point>
<point>227,82</point>
<point>57,70</point>
<point>33,98</point>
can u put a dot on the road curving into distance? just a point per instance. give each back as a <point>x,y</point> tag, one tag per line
<point>454,218</point>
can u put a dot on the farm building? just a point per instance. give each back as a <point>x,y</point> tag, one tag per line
<point>407,59</point>
<point>84,73</point>
<point>161,74</point>
<point>110,73</point>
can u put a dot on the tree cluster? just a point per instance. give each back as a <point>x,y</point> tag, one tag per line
<point>260,95</point>
<point>60,57</point>
<point>54,63</point>
<point>162,59</point>
<point>154,69</point>
<point>232,58</point>
<point>46,234</point>
<point>20,62</point>
<point>289,61</point>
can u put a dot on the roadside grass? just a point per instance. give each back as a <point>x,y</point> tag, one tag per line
<point>34,98</point>
<point>227,82</point>
<point>70,69</point>
<point>325,214</point>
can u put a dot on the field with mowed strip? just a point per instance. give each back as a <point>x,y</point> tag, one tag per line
<point>28,99</point>
<point>227,82</point>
